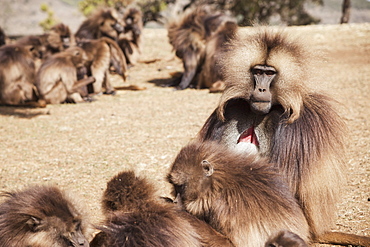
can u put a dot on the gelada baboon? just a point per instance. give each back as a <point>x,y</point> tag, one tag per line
<point>17,76</point>
<point>268,104</point>
<point>136,216</point>
<point>286,239</point>
<point>238,194</point>
<point>130,40</point>
<point>59,38</point>
<point>189,34</point>
<point>57,79</point>
<point>41,216</point>
<point>102,23</point>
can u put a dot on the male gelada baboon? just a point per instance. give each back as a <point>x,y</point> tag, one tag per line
<point>59,38</point>
<point>101,53</point>
<point>130,40</point>
<point>286,239</point>
<point>41,216</point>
<point>136,216</point>
<point>238,194</point>
<point>17,75</point>
<point>268,104</point>
<point>102,23</point>
<point>57,79</point>
<point>189,35</point>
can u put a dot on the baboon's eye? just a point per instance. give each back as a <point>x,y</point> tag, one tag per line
<point>270,72</point>
<point>258,72</point>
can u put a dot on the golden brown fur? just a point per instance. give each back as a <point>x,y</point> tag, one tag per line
<point>189,34</point>
<point>17,75</point>
<point>301,133</point>
<point>57,76</point>
<point>102,23</point>
<point>240,195</point>
<point>100,53</point>
<point>41,216</point>
<point>130,40</point>
<point>135,216</point>
<point>59,38</point>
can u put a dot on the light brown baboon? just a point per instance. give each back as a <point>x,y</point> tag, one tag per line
<point>57,79</point>
<point>130,40</point>
<point>268,104</point>
<point>239,194</point>
<point>39,47</point>
<point>102,23</point>
<point>100,53</point>
<point>286,239</point>
<point>41,216</point>
<point>17,76</point>
<point>188,36</point>
<point>136,216</point>
<point>2,37</point>
<point>59,38</point>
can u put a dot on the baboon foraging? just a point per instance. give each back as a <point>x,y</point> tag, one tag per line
<point>130,40</point>
<point>268,103</point>
<point>286,239</point>
<point>100,53</point>
<point>57,79</point>
<point>41,216</point>
<point>189,36</point>
<point>136,216</point>
<point>102,23</point>
<point>238,194</point>
<point>59,38</point>
<point>17,75</point>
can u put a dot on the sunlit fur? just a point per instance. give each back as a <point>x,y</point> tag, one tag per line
<point>136,216</point>
<point>59,38</point>
<point>99,24</point>
<point>302,134</point>
<point>242,197</point>
<point>41,216</point>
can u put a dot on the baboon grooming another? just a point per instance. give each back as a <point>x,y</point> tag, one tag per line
<point>17,75</point>
<point>57,80</point>
<point>189,36</point>
<point>136,216</point>
<point>268,104</point>
<point>41,216</point>
<point>238,194</point>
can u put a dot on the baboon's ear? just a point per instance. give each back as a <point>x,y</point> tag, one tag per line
<point>34,223</point>
<point>207,168</point>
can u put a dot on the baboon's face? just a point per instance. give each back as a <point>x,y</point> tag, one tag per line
<point>110,26</point>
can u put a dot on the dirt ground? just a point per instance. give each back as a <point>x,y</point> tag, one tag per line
<point>80,147</point>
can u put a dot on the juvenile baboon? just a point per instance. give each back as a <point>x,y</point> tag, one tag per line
<point>41,216</point>
<point>102,23</point>
<point>136,216</point>
<point>57,79</point>
<point>130,40</point>
<point>238,194</point>
<point>286,239</point>
<point>268,103</point>
<point>100,53</point>
<point>17,76</point>
<point>2,37</point>
<point>59,38</point>
<point>189,34</point>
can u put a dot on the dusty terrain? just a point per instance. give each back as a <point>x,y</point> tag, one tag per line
<point>80,147</point>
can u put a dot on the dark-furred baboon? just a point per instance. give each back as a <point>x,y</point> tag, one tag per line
<point>57,79</point>
<point>240,195</point>
<point>100,53</point>
<point>41,216</point>
<point>102,23</point>
<point>17,76</point>
<point>268,104</point>
<point>286,239</point>
<point>130,40</point>
<point>136,216</point>
<point>189,34</point>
